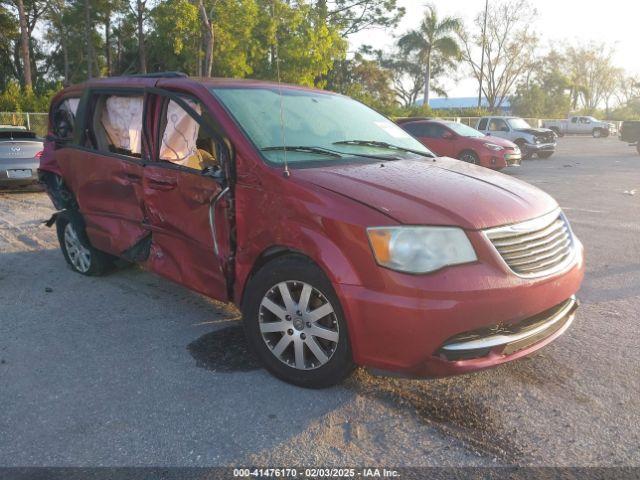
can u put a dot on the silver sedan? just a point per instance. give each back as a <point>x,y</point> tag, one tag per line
<point>20,152</point>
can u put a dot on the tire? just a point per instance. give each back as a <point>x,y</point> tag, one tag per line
<point>523,149</point>
<point>76,248</point>
<point>597,133</point>
<point>264,309</point>
<point>544,155</point>
<point>469,156</point>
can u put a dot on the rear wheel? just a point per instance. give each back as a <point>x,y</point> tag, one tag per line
<point>77,249</point>
<point>597,132</point>
<point>294,323</point>
<point>469,157</point>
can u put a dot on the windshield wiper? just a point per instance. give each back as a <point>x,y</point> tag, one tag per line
<point>374,143</point>
<point>315,150</point>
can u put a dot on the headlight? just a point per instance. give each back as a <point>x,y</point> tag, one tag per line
<point>494,147</point>
<point>420,249</point>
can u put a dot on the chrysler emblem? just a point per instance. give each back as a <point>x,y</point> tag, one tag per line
<point>15,149</point>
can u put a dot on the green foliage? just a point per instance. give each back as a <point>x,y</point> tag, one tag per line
<point>16,99</point>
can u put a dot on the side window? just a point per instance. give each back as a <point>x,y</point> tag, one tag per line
<point>64,118</point>
<point>483,124</point>
<point>183,141</point>
<point>416,129</point>
<point>437,131</point>
<point>574,119</point>
<point>498,125</point>
<point>115,124</point>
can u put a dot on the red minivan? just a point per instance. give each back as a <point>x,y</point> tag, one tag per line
<point>342,239</point>
<point>456,140</point>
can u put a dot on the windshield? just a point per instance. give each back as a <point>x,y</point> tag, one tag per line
<point>464,131</point>
<point>317,121</point>
<point>518,123</point>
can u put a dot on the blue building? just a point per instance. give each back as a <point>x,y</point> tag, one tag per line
<point>463,103</point>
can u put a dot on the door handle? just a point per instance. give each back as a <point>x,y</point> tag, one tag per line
<point>212,219</point>
<point>162,185</point>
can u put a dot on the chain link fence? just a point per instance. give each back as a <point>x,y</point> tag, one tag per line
<point>36,122</point>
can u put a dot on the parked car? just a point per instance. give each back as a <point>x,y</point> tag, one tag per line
<point>630,133</point>
<point>20,152</point>
<point>455,140</point>
<point>531,141</point>
<point>578,124</point>
<point>351,244</point>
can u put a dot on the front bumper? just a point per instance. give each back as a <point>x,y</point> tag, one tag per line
<point>541,147</point>
<point>403,328</point>
<point>499,160</point>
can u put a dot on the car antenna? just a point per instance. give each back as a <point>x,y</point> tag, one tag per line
<point>286,172</point>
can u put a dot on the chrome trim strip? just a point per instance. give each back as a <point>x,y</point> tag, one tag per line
<point>497,340</point>
<point>212,219</point>
<point>534,226</point>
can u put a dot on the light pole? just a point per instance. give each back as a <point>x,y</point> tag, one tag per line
<point>484,40</point>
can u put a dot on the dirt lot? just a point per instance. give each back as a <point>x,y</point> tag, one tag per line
<point>130,369</point>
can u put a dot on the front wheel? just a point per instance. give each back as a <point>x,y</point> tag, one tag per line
<point>544,155</point>
<point>77,250</point>
<point>524,151</point>
<point>469,157</point>
<point>294,323</point>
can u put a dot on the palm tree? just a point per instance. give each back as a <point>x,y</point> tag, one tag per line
<point>433,37</point>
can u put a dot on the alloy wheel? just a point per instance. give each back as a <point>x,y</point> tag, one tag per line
<point>299,325</point>
<point>79,255</point>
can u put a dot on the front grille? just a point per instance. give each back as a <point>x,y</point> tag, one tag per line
<point>534,248</point>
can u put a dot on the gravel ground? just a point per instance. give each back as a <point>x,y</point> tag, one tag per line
<point>130,369</point>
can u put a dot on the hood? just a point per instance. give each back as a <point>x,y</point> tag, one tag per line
<point>503,142</point>
<point>440,192</point>
<point>535,131</point>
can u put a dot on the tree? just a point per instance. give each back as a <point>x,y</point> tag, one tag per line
<point>593,76</point>
<point>433,37</point>
<point>365,80</point>
<point>510,46</point>
<point>352,16</point>
<point>140,13</point>
<point>544,92</point>
<point>24,45</point>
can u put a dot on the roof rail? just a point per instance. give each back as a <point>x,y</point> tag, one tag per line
<point>159,75</point>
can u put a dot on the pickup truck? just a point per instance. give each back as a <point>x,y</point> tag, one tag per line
<point>532,141</point>
<point>580,125</point>
<point>630,133</point>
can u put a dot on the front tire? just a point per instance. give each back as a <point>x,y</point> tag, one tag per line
<point>524,151</point>
<point>295,325</point>
<point>544,155</point>
<point>77,250</point>
<point>469,157</point>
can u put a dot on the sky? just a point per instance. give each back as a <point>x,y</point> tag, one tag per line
<point>558,22</point>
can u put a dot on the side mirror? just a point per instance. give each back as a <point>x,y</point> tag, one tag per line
<point>504,129</point>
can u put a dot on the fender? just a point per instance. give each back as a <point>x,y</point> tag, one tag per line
<point>304,240</point>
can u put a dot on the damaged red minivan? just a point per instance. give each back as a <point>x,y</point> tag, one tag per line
<point>343,240</point>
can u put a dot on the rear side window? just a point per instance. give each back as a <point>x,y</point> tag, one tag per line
<point>483,124</point>
<point>115,124</point>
